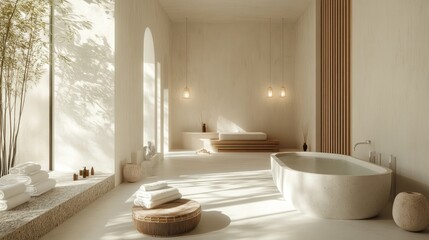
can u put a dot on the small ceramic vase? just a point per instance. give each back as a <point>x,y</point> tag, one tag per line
<point>411,211</point>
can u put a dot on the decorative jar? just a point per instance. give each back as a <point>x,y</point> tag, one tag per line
<point>132,172</point>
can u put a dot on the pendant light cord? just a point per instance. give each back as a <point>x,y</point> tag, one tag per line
<point>283,57</point>
<point>270,52</point>
<point>186,40</point>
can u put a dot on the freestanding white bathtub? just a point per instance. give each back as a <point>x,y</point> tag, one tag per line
<point>331,185</point>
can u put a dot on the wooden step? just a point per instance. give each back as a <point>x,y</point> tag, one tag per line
<point>245,145</point>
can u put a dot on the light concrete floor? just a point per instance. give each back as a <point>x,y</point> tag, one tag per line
<point>239,201</point>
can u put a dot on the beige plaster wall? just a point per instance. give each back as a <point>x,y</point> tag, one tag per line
<point>306,78</point>
<point>83,108</point>
<point>228,75</point>
<point>390,85</point>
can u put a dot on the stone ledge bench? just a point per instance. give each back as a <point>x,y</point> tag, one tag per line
<point>41,214</point>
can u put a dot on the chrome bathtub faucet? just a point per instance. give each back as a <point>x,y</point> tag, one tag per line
<point>359,143</point>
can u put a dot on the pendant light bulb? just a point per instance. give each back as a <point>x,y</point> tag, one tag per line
<point>186,93</point>
<point>283,92</point>
<point>270,92</point>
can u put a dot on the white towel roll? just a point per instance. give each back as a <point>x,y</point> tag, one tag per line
<point>10,190</point>
<point>25,168</point>
<point>14,201</point>
<point>152,204</point>
<point>157,194</point>
<point>153,186</point>
<point>40,188</point>
<point>36,177</point>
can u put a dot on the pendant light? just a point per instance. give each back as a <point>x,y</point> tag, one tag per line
<point>270,89</point>
<point>283,89</point>
<point>186,92</point>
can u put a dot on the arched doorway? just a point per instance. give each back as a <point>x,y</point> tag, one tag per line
<point>149,89</point>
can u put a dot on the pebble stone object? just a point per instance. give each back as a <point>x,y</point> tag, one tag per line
<point>411,211</point>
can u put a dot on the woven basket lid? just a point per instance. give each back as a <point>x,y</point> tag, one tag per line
<point>175,211</point>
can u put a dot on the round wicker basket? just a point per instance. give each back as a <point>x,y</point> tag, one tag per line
<point>169,219</point>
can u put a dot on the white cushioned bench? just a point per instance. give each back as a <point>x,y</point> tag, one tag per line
<point>243,136</point>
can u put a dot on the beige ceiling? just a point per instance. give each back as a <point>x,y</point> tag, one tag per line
<point>233,10</point>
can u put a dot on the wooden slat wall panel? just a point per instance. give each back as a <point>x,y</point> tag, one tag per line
<point>335,85</point>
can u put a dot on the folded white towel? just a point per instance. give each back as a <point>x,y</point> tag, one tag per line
<point>153,186</point>
<point>10,190</point>
<point>152,204</point>
<point>36,177</point>
<point>156,194</point>
<point>14,201</point>
<point>25,168</point>
<point>40,188</point>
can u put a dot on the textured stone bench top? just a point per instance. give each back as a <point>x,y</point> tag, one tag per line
<point>21,219</point>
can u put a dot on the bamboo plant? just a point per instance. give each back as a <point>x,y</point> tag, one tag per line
<point>24,53</point>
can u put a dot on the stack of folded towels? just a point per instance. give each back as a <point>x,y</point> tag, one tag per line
<point>154,194</point>
<point>12,195</point>
<point>36,181</point>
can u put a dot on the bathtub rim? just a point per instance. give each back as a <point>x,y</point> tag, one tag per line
<point>378,170</point>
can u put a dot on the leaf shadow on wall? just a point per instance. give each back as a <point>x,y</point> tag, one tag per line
<point>84,92</point>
